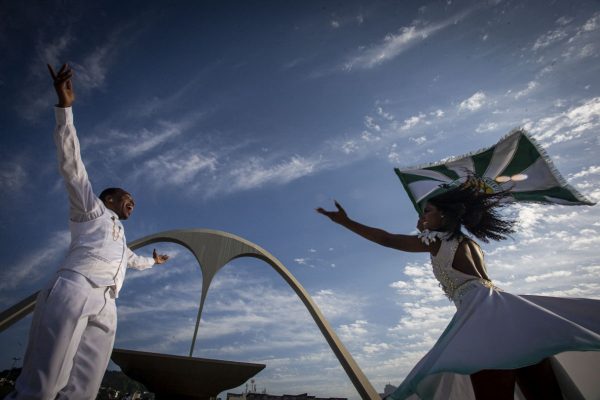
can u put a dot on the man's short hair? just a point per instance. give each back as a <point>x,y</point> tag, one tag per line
<point>110,192</point>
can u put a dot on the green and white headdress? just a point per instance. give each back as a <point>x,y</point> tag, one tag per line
<point>516,164</point>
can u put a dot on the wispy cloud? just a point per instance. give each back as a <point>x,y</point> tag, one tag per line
<point>473,103</point>
<point>121,145</point>
<point>34,266</point>
<point>176,168</point>
<point>256,172</point>
<point>530,87</point>
<point>413,121</point>
<point>32,102</point>
<point>90,71</point>
<point>549,275</point>
<point>13,175</point>
<point>394,44</point>
<point>487,127</point>
<point>568,125</point>
<point>592,170</point>
<point>276,315</point>
<point>549,38</point>
<point>50,53</point>
<point>582,42</point>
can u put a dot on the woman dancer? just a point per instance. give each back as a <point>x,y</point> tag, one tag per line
<point>498,345</point>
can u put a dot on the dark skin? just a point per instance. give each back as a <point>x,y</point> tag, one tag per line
<point>121,203</point>
<point>537,382</point>
<point>468,258</point>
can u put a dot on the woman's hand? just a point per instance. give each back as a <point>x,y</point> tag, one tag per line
<point>338,216</point>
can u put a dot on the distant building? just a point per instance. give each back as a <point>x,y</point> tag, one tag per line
<point>389,389</point>
<point>266,396</point>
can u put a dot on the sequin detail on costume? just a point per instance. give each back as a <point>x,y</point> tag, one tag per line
<point>454,284</point>
<point>116,233</point>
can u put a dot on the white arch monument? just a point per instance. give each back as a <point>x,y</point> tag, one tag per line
<point>214,249</point>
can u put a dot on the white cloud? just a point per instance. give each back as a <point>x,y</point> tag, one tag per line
<point>92,71</point>
<point>549,275</point>
<point>349,146</point>
<point>592,170</point>
<point>371,348</point>
<point>395,44</point>
<point>334,24</point>
<point>354,331</point>
<point>438,113</point>
<point>176,168</point>
<point>580,52</point>
<point>336,305</point>
<point>564,21</point>
<point>486,127</point>
<point>210,174</point>
<point>384,114</point>
<point>371,124</point>
<point>369,137</point>
<point>423,317</point>
<point>51,53</point>
<point>255,172</point>
<point>473,103</point>
<point>549,38</point>
<point>592,24</point>
<point>41,96</point>
<point>123,146</point>
<point>39,263</point>
<point>587,50</point>
<point>149,140</point>
<point>418,140</point>
<point>570,124</point>
<point>13,176</point>
<point>530,87</point>
<point>413,121</point>
<point>393,156</point>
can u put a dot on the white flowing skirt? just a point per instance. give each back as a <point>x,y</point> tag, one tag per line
<point>493,329</point>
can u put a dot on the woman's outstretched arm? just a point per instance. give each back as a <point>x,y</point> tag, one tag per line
<point>379,236</point>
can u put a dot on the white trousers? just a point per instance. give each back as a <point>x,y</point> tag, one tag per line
<point>70,341</point>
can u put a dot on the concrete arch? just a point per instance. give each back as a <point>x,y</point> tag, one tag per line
<point>214,249</point>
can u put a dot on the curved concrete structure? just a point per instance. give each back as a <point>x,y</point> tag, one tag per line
<point>183,378</point>
<point>214,249</point>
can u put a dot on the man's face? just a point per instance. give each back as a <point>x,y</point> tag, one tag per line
<point>121,203</point>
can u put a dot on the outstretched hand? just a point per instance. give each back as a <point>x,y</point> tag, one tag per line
<point>63,85</point>
<point>338,216</point>
<point>159,258</point>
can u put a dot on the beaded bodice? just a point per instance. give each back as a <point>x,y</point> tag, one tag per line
<point>453,282</point>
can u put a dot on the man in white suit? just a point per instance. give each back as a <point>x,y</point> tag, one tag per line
<point>74,322</point>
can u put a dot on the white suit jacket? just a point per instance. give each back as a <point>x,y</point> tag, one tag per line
<point>98,247</point>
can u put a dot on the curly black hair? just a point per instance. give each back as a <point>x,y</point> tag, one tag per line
<point>477,210</point>
<point>111,192</point>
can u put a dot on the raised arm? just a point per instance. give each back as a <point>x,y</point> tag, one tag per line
<point>84,205</point>
<point>399,242</point>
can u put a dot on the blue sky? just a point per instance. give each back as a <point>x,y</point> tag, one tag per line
<point>244,117</point>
